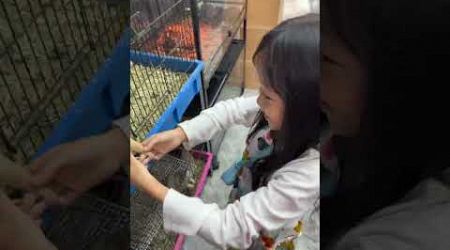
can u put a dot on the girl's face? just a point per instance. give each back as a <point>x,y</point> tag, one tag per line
<point>272,107</point>
<point>342,86</point>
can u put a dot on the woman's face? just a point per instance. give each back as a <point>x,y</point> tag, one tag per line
<point>342,86</point>
<point>272,107</point>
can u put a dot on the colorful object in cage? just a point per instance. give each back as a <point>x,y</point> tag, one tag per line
<point>177,39</point>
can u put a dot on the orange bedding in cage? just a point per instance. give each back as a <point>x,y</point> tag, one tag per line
<point>177,40</point>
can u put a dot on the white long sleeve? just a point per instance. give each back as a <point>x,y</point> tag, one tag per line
<point>289,195</point>
<point>241,110</point>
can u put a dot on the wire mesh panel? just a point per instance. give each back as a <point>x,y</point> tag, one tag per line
<point>49,50</point>
<point>155,78</point>
<point>146,224</point>
<point>90,222</point>
<point>220,21</point>
<point>170,33</point>
<point>151,9</point>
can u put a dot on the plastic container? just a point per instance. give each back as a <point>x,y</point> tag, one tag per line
<point>174,113</point>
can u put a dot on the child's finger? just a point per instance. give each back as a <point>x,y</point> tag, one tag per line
<point>136,146</point>
<point>49,196</point>
<point>154,157</point>
<point>68,198</point>
<point>158,156</point>
<point>38,209</point>
<point>149,156</point>
<point>143,159</point>
<point>17,202</point>
<point>28,202</point>
<point>150,143</point>
<point>38,222</point>
<point>44,176</point>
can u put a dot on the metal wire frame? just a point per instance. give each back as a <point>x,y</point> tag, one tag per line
<point>154,86</point>
<point>83,224</point>
<point>152,8</point>
<point>224,1</point>
<point>146,224</point>
<point>221,33</point>
<point>49,50</point>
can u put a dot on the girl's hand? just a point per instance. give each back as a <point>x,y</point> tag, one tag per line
<point>143,180</point>
<point>17,230</point>
<point>32,205</point>
<point>160,144</point>
<point>73,168</point>
<point>136,147</point>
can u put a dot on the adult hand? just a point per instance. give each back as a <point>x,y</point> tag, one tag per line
<point>73,168</point>
<point>160,144</point>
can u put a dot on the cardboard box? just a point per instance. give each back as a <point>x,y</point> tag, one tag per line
<point>262,16</point>
<point>251,76</point>
<point>264,13</point>
<point>254,37</point>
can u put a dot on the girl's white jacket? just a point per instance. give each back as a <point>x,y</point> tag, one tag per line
<point>291,194</point>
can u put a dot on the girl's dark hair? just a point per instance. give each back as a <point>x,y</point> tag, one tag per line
<point>404,48</point>
<point>288,58</point>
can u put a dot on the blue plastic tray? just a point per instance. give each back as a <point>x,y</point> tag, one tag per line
<point>174,113</point>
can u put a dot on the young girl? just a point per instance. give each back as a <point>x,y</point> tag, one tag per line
<point>276,190</point>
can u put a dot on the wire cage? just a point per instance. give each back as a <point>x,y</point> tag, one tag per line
<point>90,223</point>
<point>156,83</point>
<point>49,50</point>
<point>164,27</point>
<point>219,23</point>
<point>181,172</point>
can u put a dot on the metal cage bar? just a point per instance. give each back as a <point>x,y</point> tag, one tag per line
<point>49,50</point>
<point>146,220</point>
<point>163,33</point>
<point>89,221</point>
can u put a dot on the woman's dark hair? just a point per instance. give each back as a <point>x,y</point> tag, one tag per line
<point>288,58</point>
<point>404,48</point>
